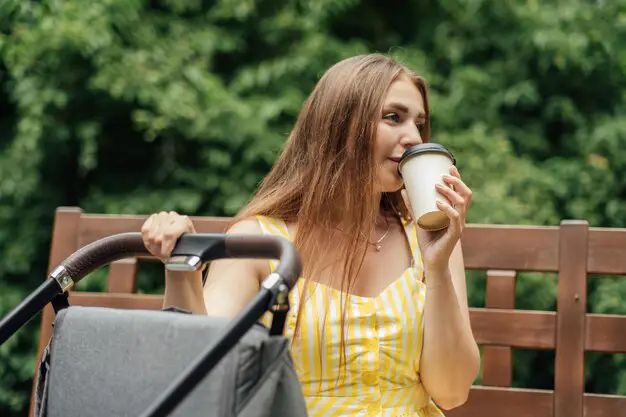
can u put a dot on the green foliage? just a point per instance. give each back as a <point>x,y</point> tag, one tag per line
<point>197,97</point>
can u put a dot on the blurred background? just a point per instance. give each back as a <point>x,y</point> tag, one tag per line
<point>137,106</point>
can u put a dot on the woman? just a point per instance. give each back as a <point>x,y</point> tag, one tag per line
<point>379,320</point>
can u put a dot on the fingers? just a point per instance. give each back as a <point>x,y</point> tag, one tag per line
<point>454,180</point>
<point>147,232</point>
<point>171,234</point>
<point>161,231</point>
<point>455,227</point>
<point>455,198</point>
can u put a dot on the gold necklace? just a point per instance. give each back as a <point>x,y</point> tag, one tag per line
<point>378,244</point>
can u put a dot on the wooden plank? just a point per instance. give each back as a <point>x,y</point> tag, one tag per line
<point>509,402</point>
<point>45,332</point>
<point>122,301</point>
<point>65,230</point>
<point>527,248</point>
<point>123,276</point>
<point>497,360</point>
<point>597,405</point>
<point>496,366</point>
<point>64,242</point>
<point>98,226</point>
<point>500,289</point>
<point>514,328</point>
<point>605,333</point>
<point>569,373</point>
<point>606,251</point>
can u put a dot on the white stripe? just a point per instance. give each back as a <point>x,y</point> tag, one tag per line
<point>398,359</point>
<point>397,299</point>
<point>311,320</point>
<point>352,347</point>
<point>384,333</point>
<point>335,407</point>
<point>322,316</point>
<point>335,331</point>
<point>411,329</point>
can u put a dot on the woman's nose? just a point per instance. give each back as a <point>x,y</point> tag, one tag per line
<point>411,137</point>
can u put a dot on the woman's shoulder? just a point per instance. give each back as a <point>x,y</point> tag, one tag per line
<point>259,224</point>
<point>275,226</point>
<point>247,225</point>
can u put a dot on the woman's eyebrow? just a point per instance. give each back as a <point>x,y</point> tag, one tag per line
<point>401,107</point>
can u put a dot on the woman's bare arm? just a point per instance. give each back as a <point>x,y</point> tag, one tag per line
<point>230,285</point>
<point>184,290</point>
<point>450,358</point>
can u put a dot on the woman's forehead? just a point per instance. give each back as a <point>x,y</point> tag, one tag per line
<point>404,94</point>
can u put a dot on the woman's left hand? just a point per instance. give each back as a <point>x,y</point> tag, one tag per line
<point>437,246</point>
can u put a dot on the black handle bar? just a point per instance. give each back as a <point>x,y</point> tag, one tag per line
<point>191,252</point>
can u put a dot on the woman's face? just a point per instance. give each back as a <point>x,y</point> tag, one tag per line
<point>400,126</point>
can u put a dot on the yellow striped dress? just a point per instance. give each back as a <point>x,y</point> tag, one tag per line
<point>382,344</point>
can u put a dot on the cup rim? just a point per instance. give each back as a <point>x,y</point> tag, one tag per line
<point>425,148</point>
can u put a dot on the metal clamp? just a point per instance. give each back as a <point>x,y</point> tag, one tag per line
<point>274,284</point>
<point>183,263</point>
<point>62,277</point>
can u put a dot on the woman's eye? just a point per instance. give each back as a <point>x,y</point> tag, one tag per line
<point>420,127</point>
<point>392,116</point>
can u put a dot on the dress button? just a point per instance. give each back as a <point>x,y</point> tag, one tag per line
<point>370,378</point>
<point>372,345</point>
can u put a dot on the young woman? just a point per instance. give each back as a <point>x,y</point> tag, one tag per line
<point>379,320</point>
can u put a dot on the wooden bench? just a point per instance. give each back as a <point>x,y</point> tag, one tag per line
<point>572,250</point>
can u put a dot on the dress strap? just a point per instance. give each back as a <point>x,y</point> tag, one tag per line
<point>411,233</point>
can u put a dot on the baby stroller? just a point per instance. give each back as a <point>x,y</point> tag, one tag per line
<point>108,362</point>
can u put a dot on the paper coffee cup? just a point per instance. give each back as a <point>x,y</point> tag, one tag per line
<point>421,167</point>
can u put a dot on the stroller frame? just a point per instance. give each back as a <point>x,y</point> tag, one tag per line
<point>191,253</point>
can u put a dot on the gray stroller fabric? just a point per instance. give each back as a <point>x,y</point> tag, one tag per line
<point>110,362</point>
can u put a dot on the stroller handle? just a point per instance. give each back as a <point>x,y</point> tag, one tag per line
<point>190,253</point>
<point>192,250</point>
<point>98,254</point>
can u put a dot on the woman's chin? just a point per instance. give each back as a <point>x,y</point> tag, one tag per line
<point>391,186</point>
<point>389,180</point>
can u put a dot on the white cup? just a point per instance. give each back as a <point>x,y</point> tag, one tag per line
<point>421,167</point>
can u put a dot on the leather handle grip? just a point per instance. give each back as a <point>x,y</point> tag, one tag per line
<point>102,252</point>
<point>207,247</point>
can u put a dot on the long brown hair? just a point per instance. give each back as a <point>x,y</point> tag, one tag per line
<point>324,180</point>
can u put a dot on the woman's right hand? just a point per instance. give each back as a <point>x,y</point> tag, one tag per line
<point>161,232</point>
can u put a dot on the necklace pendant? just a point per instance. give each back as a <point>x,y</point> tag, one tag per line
<point>378,247</point>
